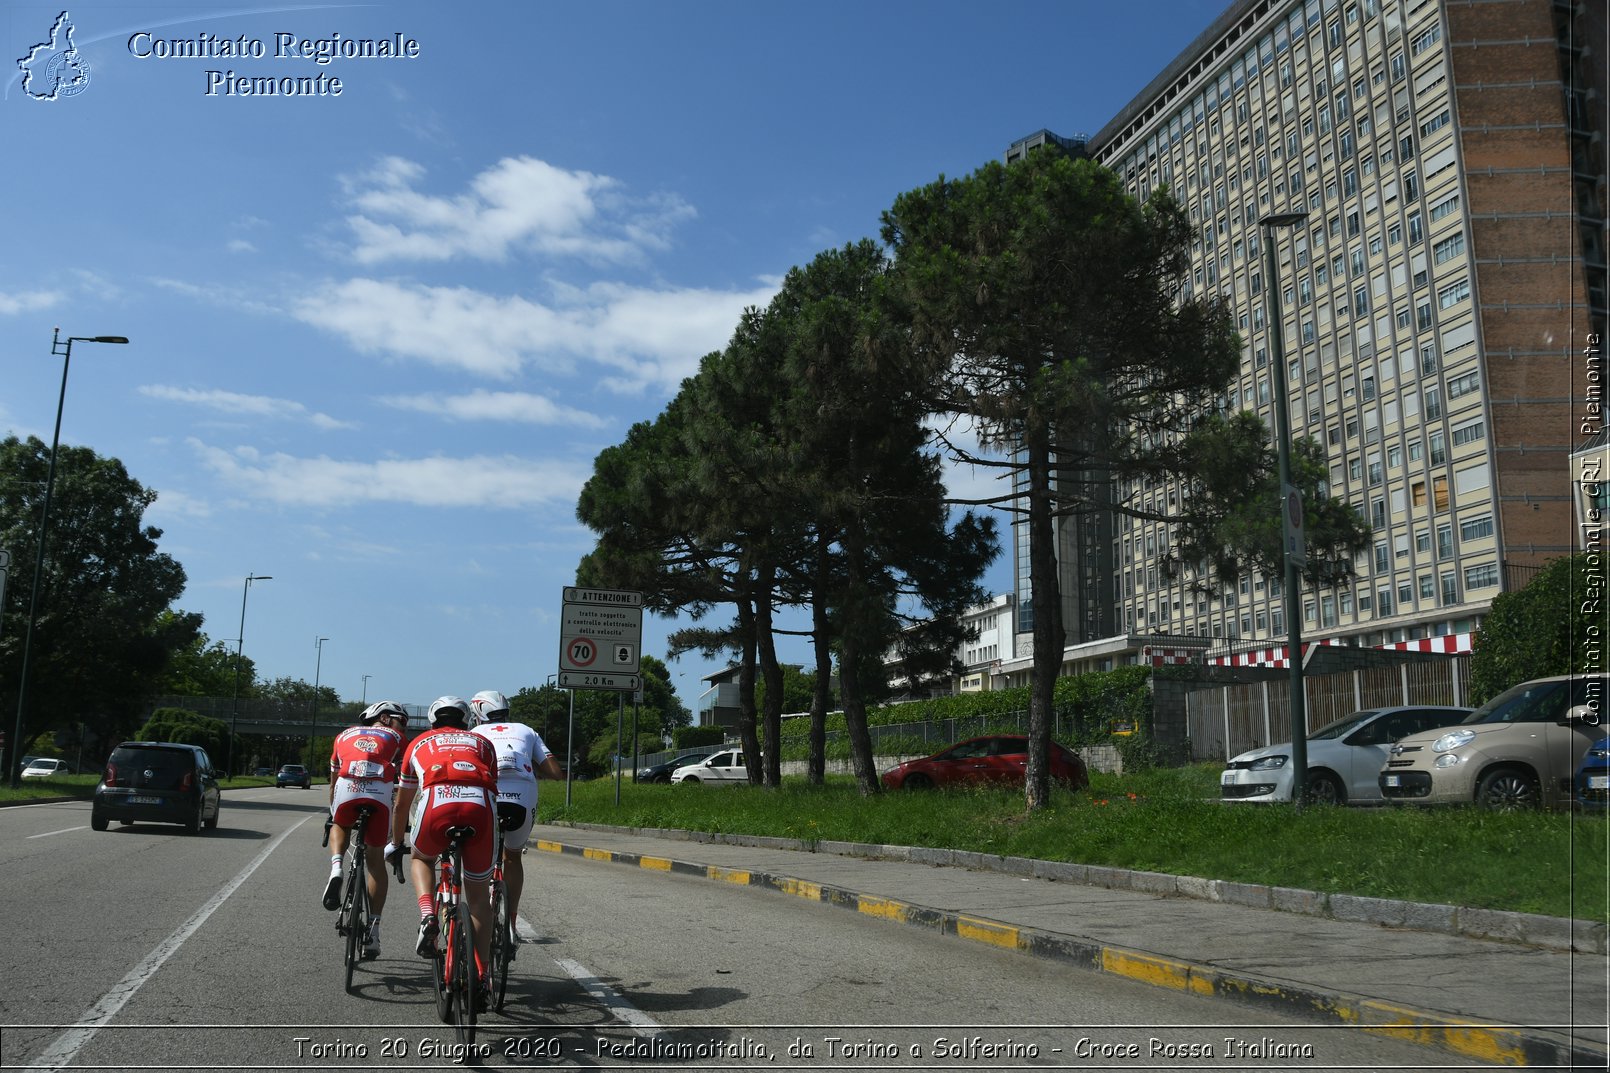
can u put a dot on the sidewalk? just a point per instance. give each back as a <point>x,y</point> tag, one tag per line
<point>1521,998</point>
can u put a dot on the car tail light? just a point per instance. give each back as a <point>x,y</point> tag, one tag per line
<point>111,775</point>
<point>187,782</point>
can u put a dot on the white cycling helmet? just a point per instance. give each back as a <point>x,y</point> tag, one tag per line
<point>487,705</point>
<point>383,708</point>
<point>451,709</point>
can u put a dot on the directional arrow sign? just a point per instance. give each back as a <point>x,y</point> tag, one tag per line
<point>601,639</point>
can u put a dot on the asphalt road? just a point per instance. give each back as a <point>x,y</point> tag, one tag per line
<point>144,948</point>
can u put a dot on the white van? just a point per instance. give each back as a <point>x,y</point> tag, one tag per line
<point>723,768</point>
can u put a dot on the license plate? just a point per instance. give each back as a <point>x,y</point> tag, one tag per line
<point>1390,780</point>
<point>1226,778</point>
<point>1599,782</point>
<point>144,799</point>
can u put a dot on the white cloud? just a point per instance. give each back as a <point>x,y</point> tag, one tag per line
<point>511,406</point>
<point>12,302</point>
<point>479,481</point>
<point>647,337</point>
<point>240,245</point>
<point>519,204</point>
<point>229,402</point>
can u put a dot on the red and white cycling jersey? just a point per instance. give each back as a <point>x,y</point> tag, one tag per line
<point>367,753</point>
<point>449,755</point>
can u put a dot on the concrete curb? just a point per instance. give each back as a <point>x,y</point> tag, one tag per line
<point>1500,1044</point>
<point>1530,929</point>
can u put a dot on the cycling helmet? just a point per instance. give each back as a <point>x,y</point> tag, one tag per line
<point>380,708</point>
<point>488,705</point>
<point>451,711</point>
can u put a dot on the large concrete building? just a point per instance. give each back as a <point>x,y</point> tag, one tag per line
<point>1442,303</point>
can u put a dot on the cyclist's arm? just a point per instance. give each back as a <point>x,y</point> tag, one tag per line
<point>549,768</point>
<point>399,812</point>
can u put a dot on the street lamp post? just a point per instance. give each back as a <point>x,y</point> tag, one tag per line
<point>64,349</point>
<point>1292,554</point>
<point>240,645</point>
<point>313,729</point>
<point>365,700</point>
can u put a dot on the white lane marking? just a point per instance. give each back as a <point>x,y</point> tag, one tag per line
<point>68,1044</point>
<point>64,830</point>
<point>640,1022</point>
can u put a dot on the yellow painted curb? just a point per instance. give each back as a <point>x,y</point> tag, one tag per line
<point>883,908</point>
<point>1160,972</point>
<point>655,864</point>
<point>987,931</point>
<point>597,854</point>
<point>550,847</point>
<point>730,875</point>
<point>1488,1044</point>
<point>801,888</point>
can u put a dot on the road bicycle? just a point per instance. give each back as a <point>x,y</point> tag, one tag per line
<point>454,974</point>
<point>353,920</point>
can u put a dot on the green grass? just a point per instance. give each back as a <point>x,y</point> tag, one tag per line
<point>83,786</point>
<point>1167,821</point>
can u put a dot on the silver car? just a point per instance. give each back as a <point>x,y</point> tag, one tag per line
<point>1344,757</point>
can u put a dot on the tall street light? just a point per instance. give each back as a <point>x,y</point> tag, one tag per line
<point>314,728</point>
<point>240,645</point>
<point>1293,554</point>
<point>365,700</point>
<point>64,349</point>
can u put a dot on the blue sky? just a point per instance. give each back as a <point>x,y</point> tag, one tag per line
<point>377,339</point>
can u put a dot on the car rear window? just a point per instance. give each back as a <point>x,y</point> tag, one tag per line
<point>166,767</point>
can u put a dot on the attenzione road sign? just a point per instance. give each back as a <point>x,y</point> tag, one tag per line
<point>601,639</point>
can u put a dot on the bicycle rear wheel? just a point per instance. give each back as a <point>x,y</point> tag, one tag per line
<point>502,940</point>
<point>463,977</point>
<point>355,916</point>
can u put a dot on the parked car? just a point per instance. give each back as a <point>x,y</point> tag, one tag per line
<point>1519,750</point>
<point>994,758</point>
<point>293,775</point>
<point>43,767</point>
<point>160,781</point>
<point>725,767</point>
<point>1344,757</point>
<point>1593,776</point>
<point>264,772</point>
<point>661,772</point>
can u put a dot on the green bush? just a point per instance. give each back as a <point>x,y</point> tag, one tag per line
<point>693,737</point>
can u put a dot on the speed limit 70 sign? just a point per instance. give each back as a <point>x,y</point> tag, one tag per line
<point>601,639</point>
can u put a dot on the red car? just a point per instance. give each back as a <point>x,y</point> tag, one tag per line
<point>996,758</point>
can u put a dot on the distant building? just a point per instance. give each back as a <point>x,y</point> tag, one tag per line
<point>1437,303</point>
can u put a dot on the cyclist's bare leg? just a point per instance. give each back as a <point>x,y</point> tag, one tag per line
<point>375,860</point>
<point>513,881</point>
<point>423,872</point>
<point>479,897</point>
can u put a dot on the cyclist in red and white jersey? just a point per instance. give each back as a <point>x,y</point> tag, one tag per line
<point>363,772</point>
<point>457,771</point>
<point>523,758</point>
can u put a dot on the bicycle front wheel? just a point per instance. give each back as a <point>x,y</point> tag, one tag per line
<point>502,941</point>
<point>439,966</point>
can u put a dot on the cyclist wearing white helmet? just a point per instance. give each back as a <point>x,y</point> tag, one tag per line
<point>458,772</point>
<point>523,758</point>
<point>363,773</point>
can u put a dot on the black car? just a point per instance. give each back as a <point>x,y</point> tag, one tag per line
<point>662,772</point>
<point>157,781</point>
<point>293,775</point>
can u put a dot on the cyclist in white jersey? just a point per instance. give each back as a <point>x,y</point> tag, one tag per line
<point>522,759</point>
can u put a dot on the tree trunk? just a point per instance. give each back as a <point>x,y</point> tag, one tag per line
<point>822,696</point>
<point>772,672</point>
<point>1049,636</point>
<point>746,691</point>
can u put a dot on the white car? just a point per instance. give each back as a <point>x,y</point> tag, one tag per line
<point>44,767</point>
<point>723,768</point>
<point>1344,757</point>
